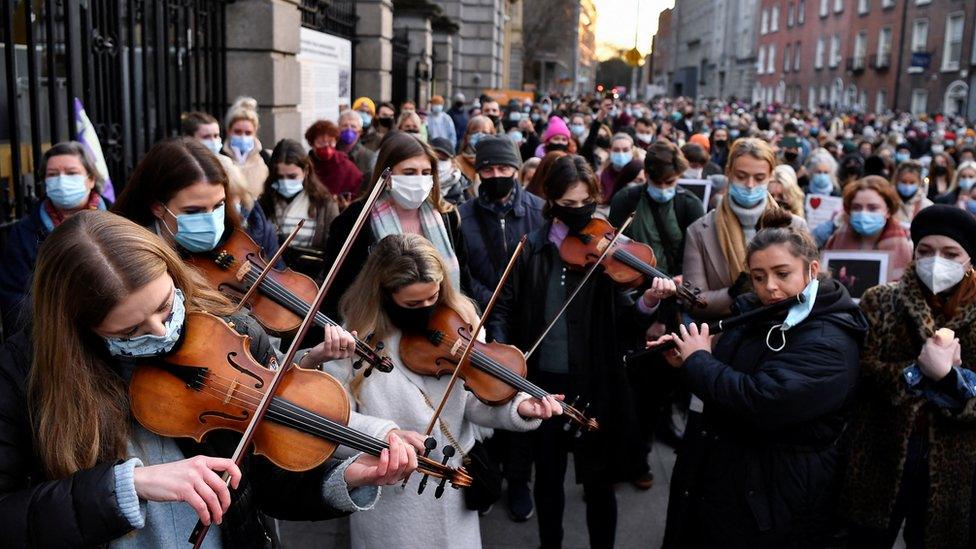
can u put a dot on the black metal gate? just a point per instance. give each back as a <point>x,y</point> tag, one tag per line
<point>134,64</point>
<point>401,56</point>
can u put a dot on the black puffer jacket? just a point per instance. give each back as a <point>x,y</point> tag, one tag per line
<point>82,509</point>
<point>757,467</point>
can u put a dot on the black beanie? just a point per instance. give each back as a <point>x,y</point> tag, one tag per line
<point>946,220</point>
<point>496,151</point>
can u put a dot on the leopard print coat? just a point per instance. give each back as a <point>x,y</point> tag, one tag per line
<point>900,321</point>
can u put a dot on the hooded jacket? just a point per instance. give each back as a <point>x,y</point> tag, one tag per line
<point>757,467</point>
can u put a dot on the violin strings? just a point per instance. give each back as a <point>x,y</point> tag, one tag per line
<point>639,265</point>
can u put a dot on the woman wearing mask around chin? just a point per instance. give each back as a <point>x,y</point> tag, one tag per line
<point>71,184</point>
<point>964,183</point>
<point>293,193</point>
<point>580,356</point>
<point>479,127</point>
<point>411,204</point>
<point>870,211</point>
<point>242,144</point>
<point>912,436</point>
<point>757,467</point>
<point>78,470</point>
<point>911,188</point>
<point>715,244</point>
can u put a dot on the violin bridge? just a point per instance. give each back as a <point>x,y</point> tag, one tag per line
<point>242,271</point>
<point>230,392</point>
<point>458,347</point>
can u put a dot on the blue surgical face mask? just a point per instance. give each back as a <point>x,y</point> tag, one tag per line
<point>820,183</point>
<point>288,187</point>
<point>971,206</point>
<point>213,144</point>
<point>474,138</point>
<point>733,134</point>
<point>243,143</point>
<point>367,119</point>
<point>619,159</point>
<point>515,136</point>
<point>66,191</point>
<point>901,157</point>
<point>148,345</point>
<point>907,190</point>
<point>797,313</point>
<point>437,109</point>
<point>661,196</point>
<point>745,197</point>
<point>868,223</point>
<point>966,183</point>
<point>577,129</point>
<point>198,232</point>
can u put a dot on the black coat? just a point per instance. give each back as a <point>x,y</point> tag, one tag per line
<point>757,467</point>
<point>340,230</point>
<point>82,510</point>
<point>613,452</point>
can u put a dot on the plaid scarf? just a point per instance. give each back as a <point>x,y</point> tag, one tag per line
<point>55,217</point>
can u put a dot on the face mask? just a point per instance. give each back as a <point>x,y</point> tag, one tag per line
<point>557,147</point>
<point>410,191</point>
<point>514,116</point>
<point>938,149</point>
<point>445,170</point>
<point>198,232</point>
<point>603,142</point>
<point>907,190</point>
<point>720,144</point>
<point>243,143</point>
<point>325,153</point>
<point>867,223</point>
<point>148,345</point>
<point>797,313</point>
<point>620,159</point>
<point>745,197</point>
<point>367,119</point>
<point>971,206</point>
<point>734,134</point>
<point>535,117</point>
<point>348,136</point>
<point>66,191</point>
<point>966,183</point>
<point>577,129</point>
<point>411,320</point>
<point>820,183</point>
<point>645,137</point>
<point>515,136</point>
<point>902,157</point>
<point>661,196</point>
<point>938,273</point>
<point>494,119</point>
<point>546,108</point>
<point>939,171</point>
<point>474,138</point>
<point>213,144</point>
<point>574,218</point>
<point>693,173</point>
<point>385,121</point>
<point>437,109</point>
<point>288,187</point>
<point>496,188</point>
<point>790,156</point>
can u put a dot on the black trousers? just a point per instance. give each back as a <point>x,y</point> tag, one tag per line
<point>513,453</point>
<point>551,446</point>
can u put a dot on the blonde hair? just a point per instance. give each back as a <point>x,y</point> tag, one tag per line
<point>243,108</point>
<point>395,262</point>
<point>792,194</point>
<point>86,267</point>
<point>750,146</point>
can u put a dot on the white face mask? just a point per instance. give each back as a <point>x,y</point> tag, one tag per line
<point>938,273</point>
<point>410,191</point>
<point>693,173</point>
<point>445,169</point>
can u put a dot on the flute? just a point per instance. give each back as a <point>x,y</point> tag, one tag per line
<point>722,325</point>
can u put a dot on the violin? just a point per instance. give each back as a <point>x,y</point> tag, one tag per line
<point>629,263</point>
<point>283,297</point>
<point>212,382</point>
<point>494,372</point>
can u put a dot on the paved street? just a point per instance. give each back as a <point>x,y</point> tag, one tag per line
<point>640,518</point>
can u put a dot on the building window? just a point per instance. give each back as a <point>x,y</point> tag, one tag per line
<point>761,60</point>
<point>774,19</point>
<point>834,50</point>
<point>796,57</point>
<point>787,58</point>
<point>838,6</point>
<point>862,100</point>
<point>922,2</point>
<point>863,6</point>
<point>818,57</point>
<point>790,15</point>
<point>824,8</point>
<point>823,94</point>
<point>811,98</point>
<point>881,102</point>
<point>920,35</point>
<point>952,49</point>
<point>764,24</point>
<point>771,67</point>
<point>801,12</point>
<point>887,3</point>
<point>920,99</point>
<point>860,50</point>
<point>884,47</point>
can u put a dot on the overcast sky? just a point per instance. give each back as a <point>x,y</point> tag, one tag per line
<point>616,21</point>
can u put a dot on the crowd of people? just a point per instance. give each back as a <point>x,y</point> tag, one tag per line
<point>845,419</point>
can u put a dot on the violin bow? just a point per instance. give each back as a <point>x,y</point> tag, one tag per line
<point>579,286</point>
<point>200,531</point>
<point>270,264</point>
<point>467,353</point>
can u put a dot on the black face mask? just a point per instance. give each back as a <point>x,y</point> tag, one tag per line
<point>790,156</point>
<point>494,119</point>
<point>603,142</point>
<point>385,121</point>
<point>496,188</point>
<point>557,147</point>
<point>574,218</point>
<point>720,144</point>
<point>413,320</point>
<point>939,171</point>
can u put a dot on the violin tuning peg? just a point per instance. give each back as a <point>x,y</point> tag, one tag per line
<point>429,444</point>
<point>380,346</point>
<point>448,453</point>
<point>369,371</point>
<point>357,364</point>
<point>369,337</point>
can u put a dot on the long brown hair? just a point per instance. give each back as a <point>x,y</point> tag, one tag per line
<point>394,263</point>
<point>86,267</point>
<point>398,146</point>
<point>170,166</point>
<point>291,152</point>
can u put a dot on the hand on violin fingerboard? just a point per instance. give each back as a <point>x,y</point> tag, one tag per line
<point>337,344</point>
<point>531,408</point>
<point>394,464</point>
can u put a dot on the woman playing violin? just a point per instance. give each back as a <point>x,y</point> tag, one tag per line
<point>76,469</point>
<point>403,281</point>
<point>580,356</point>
